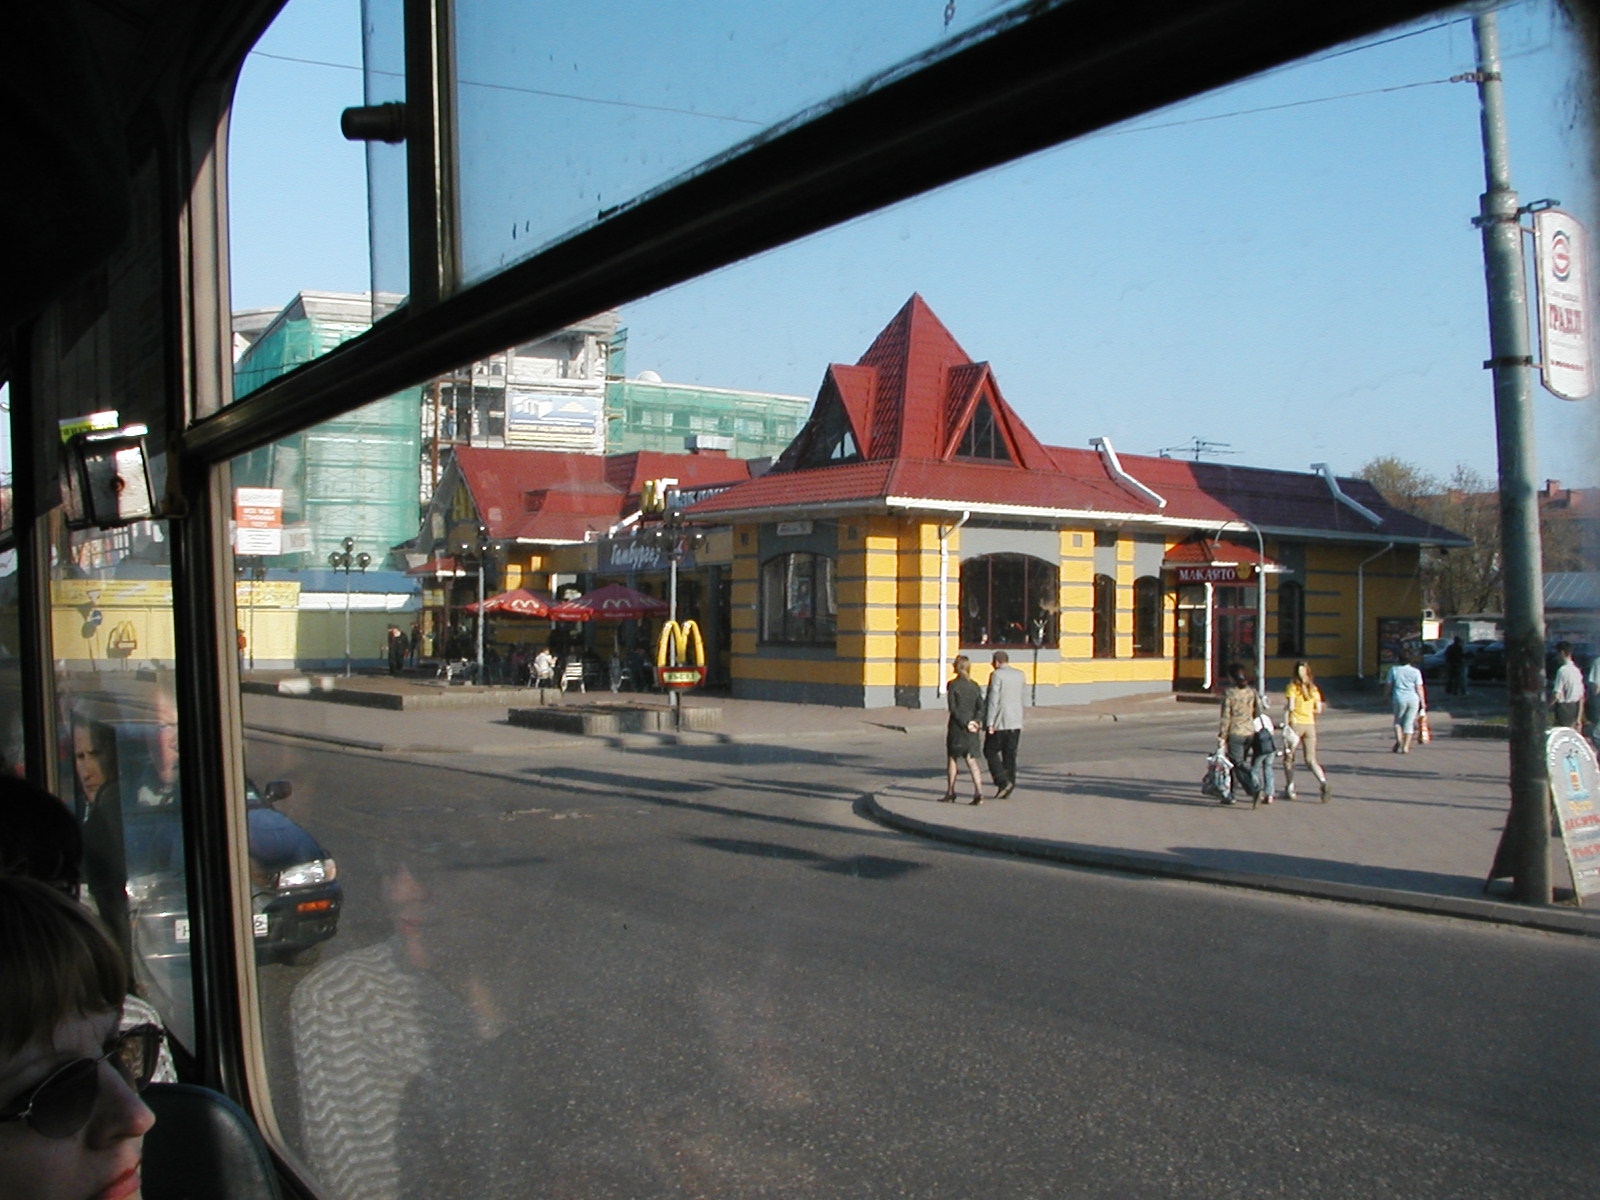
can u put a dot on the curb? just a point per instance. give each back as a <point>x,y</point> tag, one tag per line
<point>1548,919</point>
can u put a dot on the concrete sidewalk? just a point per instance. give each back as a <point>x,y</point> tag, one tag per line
<point>1413,832</point>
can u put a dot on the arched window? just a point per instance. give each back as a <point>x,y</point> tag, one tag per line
<point>1009,600</point>
<point>797,600</point>
<point>1105,617</point>
<point>1291,619</point>
<point>1146,617</point>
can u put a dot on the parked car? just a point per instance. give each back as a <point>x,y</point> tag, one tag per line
<point>1487,661</point>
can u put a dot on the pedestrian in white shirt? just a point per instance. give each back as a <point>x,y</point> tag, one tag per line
<point>1566,690</point>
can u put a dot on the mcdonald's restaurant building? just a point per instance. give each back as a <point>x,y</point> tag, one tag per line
<point>915,516</point>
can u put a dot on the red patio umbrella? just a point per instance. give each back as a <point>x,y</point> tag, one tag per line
<point>612,601</point>
<point>519,602</point>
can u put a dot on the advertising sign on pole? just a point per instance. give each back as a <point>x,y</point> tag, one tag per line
<point>1575,789</point>
<point>1566,367</point>
<point>257,520</point>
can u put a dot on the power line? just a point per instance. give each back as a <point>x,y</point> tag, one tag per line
<point>528,91</point>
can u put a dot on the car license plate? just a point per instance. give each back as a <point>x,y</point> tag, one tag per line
<point>180,928</point>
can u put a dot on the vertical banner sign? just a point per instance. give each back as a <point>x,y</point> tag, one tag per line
<point>1575,789</point>
<point>257,520</point>
<point>1558,256</point>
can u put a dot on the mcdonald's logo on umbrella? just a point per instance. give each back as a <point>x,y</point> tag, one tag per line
<point>680,655</point>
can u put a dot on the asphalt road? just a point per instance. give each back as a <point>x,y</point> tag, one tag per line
<point>705,974</point>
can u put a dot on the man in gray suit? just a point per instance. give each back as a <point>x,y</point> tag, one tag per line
<point>1002,719</point>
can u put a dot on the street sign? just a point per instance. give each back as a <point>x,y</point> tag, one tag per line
<point>1223,573</point>
<point>1575,788</point>
<point>680,655</point>
<point>1566,367</point>
<point>257,520</point>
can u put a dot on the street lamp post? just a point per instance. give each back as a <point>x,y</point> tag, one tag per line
<point>675,539</point>
<point>347,560</point>
<point>1261,600</point>
<point>479,550</point>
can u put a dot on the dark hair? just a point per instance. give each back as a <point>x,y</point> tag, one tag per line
<point>1564,648</point>
<point>1236,673</point>
<point>56,963</point>
<point>38,837</point>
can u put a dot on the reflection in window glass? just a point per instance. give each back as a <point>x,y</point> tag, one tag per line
<point>12,756</point>
<point>112,641</point>
<point>561,967</point>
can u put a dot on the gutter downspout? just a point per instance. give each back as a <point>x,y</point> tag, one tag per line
<point>1114,468</point>
<point>1354,506</point>
<point>1361,611</point>
<point>944,590</point>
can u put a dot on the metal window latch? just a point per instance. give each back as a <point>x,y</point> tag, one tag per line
<point>374,123</point>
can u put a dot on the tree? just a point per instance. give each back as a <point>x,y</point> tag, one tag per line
<point>1458,579</point>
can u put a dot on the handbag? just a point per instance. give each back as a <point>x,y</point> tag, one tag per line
<point>1262,742</point>
<point>1218,779</point>
<point>1291,739</point>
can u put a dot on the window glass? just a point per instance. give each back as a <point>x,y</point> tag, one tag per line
<point>1291,618</point>
<point>797,599</point>
<point>113,645</point>
<point>1105,617</point>
<point>493,941</point>
<point>12,757</point>
<point>1147,617</point>
<point>297,199</point>
<point>1009,600</point>
<point>610,100</point>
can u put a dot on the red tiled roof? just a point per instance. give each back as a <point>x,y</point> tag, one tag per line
<point>550,496</point>
<point>909,401</point>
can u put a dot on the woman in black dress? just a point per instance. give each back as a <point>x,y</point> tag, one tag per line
<point>965,699</point>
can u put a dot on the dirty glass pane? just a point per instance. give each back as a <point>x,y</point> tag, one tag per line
<point>568,112</point>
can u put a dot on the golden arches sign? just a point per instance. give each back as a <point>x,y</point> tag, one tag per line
<point>680,655</point>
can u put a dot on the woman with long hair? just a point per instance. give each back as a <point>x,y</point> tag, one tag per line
<point>962,733</point>
<point>1302,703</point>
<point>1241,705</point>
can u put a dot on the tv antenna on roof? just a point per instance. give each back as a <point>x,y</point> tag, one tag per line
<point>1197,446</point>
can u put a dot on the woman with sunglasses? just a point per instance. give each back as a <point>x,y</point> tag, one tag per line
<point>72,1125</point>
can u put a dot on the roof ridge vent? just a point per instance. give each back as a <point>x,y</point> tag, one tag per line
<point>1354,506</point>
<point>1113,465</point>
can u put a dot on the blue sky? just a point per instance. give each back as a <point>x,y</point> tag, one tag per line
<point>1302,283</point>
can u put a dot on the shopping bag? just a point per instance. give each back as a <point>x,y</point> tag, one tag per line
<point>1424,730</point>
<point>1218,780</point>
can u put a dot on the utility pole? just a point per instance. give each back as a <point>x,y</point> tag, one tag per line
<point>1524,851</point>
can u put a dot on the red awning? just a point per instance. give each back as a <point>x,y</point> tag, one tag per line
<point>1201,559</point>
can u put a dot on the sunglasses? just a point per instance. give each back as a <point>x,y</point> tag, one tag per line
<point>63,1103</point>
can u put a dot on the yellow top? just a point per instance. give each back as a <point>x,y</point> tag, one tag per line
<point>1303,704</point>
